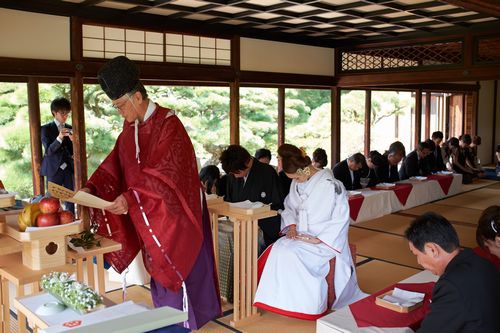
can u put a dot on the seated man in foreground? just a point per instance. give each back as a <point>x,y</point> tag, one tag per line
<point>466,298</point>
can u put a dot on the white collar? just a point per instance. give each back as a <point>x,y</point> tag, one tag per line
<point>150,110</point>
<point>58,124</point>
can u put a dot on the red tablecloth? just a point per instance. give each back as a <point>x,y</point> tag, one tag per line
<point>443,180</point>
<point>367,313</point>
<point>355,203</point>
<point>402,191</point>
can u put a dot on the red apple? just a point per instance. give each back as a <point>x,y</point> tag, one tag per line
<point>66,217</point>
<point>49,205</point>
<point>47,220</point>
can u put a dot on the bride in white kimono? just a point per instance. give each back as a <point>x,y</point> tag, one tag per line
<point>316,224</point>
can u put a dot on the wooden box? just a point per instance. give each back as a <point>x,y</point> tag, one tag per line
<point>249,211</point>
<point>45,247</point>
<point>7,200</point>
<point>213,199</point>
<point>398,308</point>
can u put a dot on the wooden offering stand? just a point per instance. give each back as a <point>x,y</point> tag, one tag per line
<point>45,247</point>
<point>245,255</point>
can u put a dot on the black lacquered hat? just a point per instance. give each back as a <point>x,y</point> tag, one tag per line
<point>118,77</point>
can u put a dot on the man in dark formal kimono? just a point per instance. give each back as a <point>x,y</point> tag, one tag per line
<point>416,163</point>
<point>348,171</point>
<point>436,158</point>
<point>249,179</point>
<point>57,140</point>
<point>387,172</point>
<point>466,298</point>
<point>151,177</point>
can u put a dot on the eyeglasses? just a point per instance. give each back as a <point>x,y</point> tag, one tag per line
<point>120,105</point>
<point>63,112</point>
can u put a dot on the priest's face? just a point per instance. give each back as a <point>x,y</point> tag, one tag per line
<point>126,107</point>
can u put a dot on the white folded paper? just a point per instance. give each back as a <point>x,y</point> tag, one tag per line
<point>444,173</point>
<point>404,298</point>
<point>419,178</point>
<point>247,204</point>
<point>386,184</point>
<point>351,193</point>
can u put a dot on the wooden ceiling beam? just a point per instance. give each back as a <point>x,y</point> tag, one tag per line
<point>487,7</point>
<point>475,73</point>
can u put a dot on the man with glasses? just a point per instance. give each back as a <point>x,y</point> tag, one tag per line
<point>151,176</point>
<point>57,140</point>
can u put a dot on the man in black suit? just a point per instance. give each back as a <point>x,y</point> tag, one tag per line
<point>387,171</point>
<point>57,140</point>
<point>415,163</point>
<point>466,298</point>
<point>249,179</point>
<point>348,171</point>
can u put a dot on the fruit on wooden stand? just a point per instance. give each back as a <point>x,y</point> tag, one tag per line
<point>66,217</point>
<point>49,205</point>
<point>28,216</point>
<point>47,219</point>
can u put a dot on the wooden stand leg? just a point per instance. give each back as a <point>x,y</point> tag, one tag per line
<point>5,306</point>
<point>79,270</point>
<point>214,218</point>
<point>255,254</point>
<point>90,272</point>
<point>21,318</point>
<point>236,274</point>
<point>100,274</point>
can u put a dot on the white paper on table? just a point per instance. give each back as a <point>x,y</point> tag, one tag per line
<point>444,173</point>
<point>386,184</point>
<point>404,297</point>
<point>28,229</point>
<point>419,178</point>
<point>247,204</point>
<point>109,313</point>
<point>351,193</point>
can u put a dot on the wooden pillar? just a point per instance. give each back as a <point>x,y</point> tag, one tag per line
<point>368,116</point>
<point>35,136</point>
<point>475,102</point>
<point>234,112</point>
<point>427,128</point>
<point>281,116</point>
<point>234,94</point>
<point>447,112</point>
<point>418,116</point>
<point>79,141</point>
<point>335,136</point>
<point>494,121</point>
<point>464,106</point>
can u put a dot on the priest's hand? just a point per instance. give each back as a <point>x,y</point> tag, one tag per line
<point>119,206</point>
<point>292,232</point>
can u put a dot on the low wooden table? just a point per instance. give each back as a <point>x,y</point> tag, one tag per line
<point>12,270</point>
<point>107,246</point>
<point>129,321</point>
<point>27,306</point>
<point>245,258</point>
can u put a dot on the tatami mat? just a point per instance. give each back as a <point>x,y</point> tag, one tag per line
<point>479,199</point>
<point>495,186</point>
<point>382,246</point>
<point>272,322</point>
<point>137,294</point>
<point>397,224</point>
<point>478,183</point>
<point>376,275</point>
<point>452,213</point>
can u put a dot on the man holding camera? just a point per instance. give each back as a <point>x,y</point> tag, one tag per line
<point>57,140</point>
